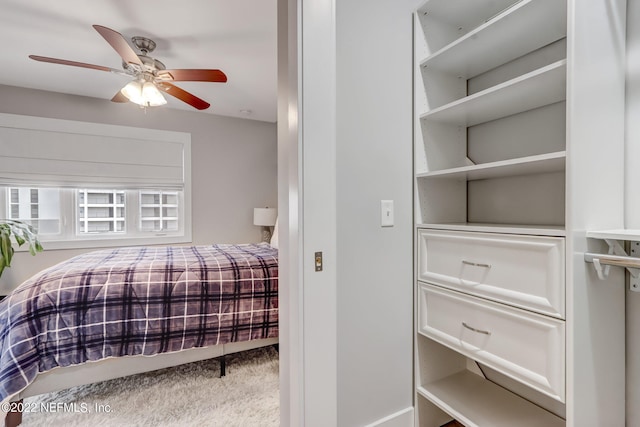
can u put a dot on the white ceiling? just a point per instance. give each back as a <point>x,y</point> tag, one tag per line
<point>235,36</point>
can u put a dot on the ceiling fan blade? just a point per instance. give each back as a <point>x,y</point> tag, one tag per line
<point>183,95</point>
<point>75,64</point>
<point>119,97</point>
<point>118,42</point>
<point>193,75</point>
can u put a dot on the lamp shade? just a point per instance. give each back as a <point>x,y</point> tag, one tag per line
<point>265,216</point>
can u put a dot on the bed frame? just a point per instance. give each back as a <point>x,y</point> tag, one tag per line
<point>116,367</point>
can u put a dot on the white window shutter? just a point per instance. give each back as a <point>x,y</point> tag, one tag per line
<point>39,152</point>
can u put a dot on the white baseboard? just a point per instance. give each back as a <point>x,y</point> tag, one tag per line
<point>402,418</point>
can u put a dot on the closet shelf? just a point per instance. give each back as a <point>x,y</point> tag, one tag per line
<point>543,163</point>
<point>485,403</point>
<point>537,23</point>
<point>538,88</point>
<point>617,255</point>
<point>532,230</point>
<point>616,234</point>
<point>462,15</point>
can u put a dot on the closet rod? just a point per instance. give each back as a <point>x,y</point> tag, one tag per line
<point>606,259</point>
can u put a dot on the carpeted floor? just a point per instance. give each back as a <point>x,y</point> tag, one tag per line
<point>187,395</point>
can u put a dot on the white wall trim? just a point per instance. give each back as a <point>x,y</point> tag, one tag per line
<point>317,196</point>
<point>403,418</point>
<point>290,296</point>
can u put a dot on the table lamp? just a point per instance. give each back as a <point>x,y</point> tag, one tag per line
<point>265,217</point>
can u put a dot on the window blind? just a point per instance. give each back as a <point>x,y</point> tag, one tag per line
<point>43,152</point>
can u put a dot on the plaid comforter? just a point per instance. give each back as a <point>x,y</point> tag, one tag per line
<point>136,301</point>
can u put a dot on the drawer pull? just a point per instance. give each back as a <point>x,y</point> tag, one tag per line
<point>475,330</point>
<point>476,264</point>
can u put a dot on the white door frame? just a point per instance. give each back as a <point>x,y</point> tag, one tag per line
<point>307,212</point>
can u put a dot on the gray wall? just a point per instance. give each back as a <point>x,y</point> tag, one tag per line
<point>354,118</point>
<point>234,165</point>
<point>632,202</point>
<point>374,162</point>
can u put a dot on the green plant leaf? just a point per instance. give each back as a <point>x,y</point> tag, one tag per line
<point>22,233</point>
<point>19,239</point>
<point>5,247</point>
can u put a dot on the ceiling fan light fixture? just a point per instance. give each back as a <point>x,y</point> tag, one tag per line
<point>133,91</point>
<point>145,94</point>
<point>151,95</point>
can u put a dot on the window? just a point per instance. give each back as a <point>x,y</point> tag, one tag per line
<point>24,204</point>
<point>159,211</point>
<point>99,217</point>
<point>95,185</point>
<point>101,211</point>
<point>34,203</point>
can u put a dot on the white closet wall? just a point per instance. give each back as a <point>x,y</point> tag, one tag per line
<point>632,203</point>
<point>519,145</point>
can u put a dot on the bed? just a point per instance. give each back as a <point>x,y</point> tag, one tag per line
<point>117,312</point>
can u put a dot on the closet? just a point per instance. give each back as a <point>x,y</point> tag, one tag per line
<point>519,145</point>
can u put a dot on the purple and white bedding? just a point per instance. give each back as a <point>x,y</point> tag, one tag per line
<point>136,301</point>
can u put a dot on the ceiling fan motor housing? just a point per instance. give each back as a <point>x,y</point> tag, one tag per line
<point>149,64</point>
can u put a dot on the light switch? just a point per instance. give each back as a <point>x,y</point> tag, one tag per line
<point>386,213</point>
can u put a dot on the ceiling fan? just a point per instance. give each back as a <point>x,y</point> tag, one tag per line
<point>150,76</point>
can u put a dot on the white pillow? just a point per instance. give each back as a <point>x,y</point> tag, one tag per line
<point>274,236</point>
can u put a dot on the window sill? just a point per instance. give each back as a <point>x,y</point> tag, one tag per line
<point>110,242</point>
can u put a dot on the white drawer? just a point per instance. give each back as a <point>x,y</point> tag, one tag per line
<point>525,346</point>
<point>524,271</point>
